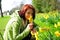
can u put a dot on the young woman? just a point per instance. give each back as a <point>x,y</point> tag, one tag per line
<point>18,27</point>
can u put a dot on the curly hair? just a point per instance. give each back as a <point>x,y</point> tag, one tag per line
<point>24,9</point>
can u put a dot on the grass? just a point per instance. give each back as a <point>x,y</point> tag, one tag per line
<point>3,22</point>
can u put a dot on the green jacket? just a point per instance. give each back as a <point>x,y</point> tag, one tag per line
<point>14,29</point>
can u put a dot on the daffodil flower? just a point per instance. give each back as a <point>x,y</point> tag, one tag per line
<point>55,25</point>
<point>30,19</point>
<point>43,29</point>
<point>46,16</point>
<point>36,35</point>
<point>58,23</point>
<point>57,33</point>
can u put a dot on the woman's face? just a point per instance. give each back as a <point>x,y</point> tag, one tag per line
<point>28,14</point>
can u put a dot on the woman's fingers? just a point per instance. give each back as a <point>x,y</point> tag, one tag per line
<point>30,26</point>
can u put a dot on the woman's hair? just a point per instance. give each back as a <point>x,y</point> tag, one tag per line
<point>24,9</point>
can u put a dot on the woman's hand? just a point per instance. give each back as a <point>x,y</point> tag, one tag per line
<point>30,26</point>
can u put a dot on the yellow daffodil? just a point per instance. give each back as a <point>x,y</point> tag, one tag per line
<point>55,25</point>
<point>36,35</point>
<point>46,16</point>
<point>30,19</point>
<point>40,29</point>
<point>57,33</point>
<point>32,33</point>
<point>58,23</point>
<point>43,29</point>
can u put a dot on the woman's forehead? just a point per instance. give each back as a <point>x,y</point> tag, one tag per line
<point>30,10</point>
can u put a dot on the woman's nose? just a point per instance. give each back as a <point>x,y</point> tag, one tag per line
<point>30,15</point>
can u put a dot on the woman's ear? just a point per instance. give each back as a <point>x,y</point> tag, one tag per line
<point>18,11</point>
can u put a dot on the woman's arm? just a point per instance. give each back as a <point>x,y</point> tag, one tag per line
<point>16,25</point>
<point>23,34</point>
<point>16,35</point>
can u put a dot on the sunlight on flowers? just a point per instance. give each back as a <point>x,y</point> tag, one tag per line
<point>46,16</point>
<point>58,23</point>
<point>57,33</point>
<point>55,25</point>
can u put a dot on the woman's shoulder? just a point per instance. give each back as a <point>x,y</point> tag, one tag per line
<point>15,18</point>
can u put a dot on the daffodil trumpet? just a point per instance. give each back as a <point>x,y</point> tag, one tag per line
<point>30,19</point>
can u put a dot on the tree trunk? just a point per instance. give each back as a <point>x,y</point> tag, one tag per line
<point>1,8</point>
<point>1,13</point>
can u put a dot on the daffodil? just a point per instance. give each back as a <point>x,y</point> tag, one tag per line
<point>40,29</point>
<point>43,29</point>
<point>57,33</point>
<point>36,35</point>
<point>32,33</point>
<point>55,25</point>
<point>46,16</point>
<point>30,19</point>
<point>58,23</point>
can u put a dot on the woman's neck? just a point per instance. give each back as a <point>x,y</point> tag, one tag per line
<point>25,22</point>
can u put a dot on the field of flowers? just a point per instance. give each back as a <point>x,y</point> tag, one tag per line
<point>49,26</point>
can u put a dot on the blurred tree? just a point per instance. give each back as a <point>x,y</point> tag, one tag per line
<point>16,8</point>
<point>37,5</point>
<point>1,8</point>
<point>44,5</point>
<point>58,4</point>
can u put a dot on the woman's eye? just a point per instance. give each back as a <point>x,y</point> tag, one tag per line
<point>28,12</point>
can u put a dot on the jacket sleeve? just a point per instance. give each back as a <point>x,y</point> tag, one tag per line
<point>23,34</point>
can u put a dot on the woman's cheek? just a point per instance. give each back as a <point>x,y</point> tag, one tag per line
<point>27,16</point>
